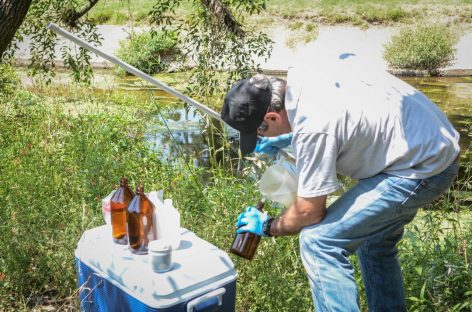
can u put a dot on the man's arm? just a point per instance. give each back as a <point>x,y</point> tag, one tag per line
<point>304,212</point>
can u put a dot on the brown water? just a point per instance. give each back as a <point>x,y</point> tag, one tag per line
<point>454,96</point>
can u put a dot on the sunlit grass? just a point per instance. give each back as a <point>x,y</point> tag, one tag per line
<point>355,12</point>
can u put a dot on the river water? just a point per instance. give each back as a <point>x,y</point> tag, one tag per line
<point>177,131</point>
<point>366,43</point>
<point>452,94</point>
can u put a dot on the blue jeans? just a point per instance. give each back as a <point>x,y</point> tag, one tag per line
<point>368,219</point>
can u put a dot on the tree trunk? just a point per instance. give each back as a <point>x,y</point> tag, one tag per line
<point>12,14</point>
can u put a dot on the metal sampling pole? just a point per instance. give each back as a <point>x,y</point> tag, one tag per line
<point>133,70</point>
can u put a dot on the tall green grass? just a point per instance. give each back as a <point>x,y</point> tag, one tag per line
<point>357,12</point>
<point>59,157</point>
<point>62,151</point>
<point>62,154</point>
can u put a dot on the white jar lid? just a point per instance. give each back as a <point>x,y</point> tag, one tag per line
<point>159,245</point>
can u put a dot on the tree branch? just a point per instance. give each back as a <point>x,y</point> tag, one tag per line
<point>73,16</point>
<point>223,14</point>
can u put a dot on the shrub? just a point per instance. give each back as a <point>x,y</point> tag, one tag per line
<point>421,48</point>
<point>103,17</point>
<point>149,51</point>
<point>9,80</point>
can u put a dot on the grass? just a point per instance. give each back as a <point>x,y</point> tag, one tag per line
<point>355,12</point>
<point>63,149</point>
<point>120,12</point>
<point>301,32</point>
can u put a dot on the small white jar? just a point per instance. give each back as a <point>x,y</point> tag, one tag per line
<point>160,255</point>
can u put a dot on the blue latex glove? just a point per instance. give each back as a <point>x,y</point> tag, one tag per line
<point>270,145</point>
<point>251,220</point>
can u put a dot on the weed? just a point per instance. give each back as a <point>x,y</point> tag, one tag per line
<point>435,258</point>
<point>301,32</point>
<point>9,80</point>
<point>102,17</point>
<point>424,47</point>
<point>149,51</point>
<point>310,27</point>
<point>295,25</point>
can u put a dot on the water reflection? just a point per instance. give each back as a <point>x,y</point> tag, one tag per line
<point>186,144</point>
<point>177,133</point>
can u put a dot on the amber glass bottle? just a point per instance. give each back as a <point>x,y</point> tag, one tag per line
<point>118,205</point>
<point>140,222</point>
<point>245,244</point>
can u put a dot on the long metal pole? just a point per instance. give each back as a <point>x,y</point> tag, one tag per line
<point>133,70</point>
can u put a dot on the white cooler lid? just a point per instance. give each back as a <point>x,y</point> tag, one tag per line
<point>198,267</point>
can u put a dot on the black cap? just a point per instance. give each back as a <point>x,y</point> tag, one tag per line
<point>244,109</point>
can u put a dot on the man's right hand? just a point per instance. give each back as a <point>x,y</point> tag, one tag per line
<point>271,145</point>
<point>252,220</point>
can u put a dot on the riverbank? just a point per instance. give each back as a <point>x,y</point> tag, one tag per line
<point>70,144</point>
<point>365,43</point>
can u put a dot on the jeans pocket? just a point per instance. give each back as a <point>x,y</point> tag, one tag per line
<point>433,187</point>
<point>419,197</point>
<point>411,195</point>
<point>442,181</point>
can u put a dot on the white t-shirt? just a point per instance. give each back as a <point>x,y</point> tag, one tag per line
<point>357,122</point>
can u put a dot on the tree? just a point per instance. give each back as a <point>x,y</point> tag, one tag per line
<point>213,34</point>
<point>12,14</point>
<point>31,22</point>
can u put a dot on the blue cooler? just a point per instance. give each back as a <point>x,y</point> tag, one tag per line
<point>111,278</point>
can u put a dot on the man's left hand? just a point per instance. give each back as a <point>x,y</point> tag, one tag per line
<point>251,220</point>
<point>271,145</point>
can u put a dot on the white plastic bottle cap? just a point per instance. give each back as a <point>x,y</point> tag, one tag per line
<point>160,255</point>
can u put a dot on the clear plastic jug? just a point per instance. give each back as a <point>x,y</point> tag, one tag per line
<point>172,224</point>
<point>279,183</point>
<point>167,220</point>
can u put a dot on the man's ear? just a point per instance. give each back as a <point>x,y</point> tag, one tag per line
<point>272,117</point>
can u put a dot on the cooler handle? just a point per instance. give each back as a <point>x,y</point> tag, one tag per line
<point>212,300</point>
